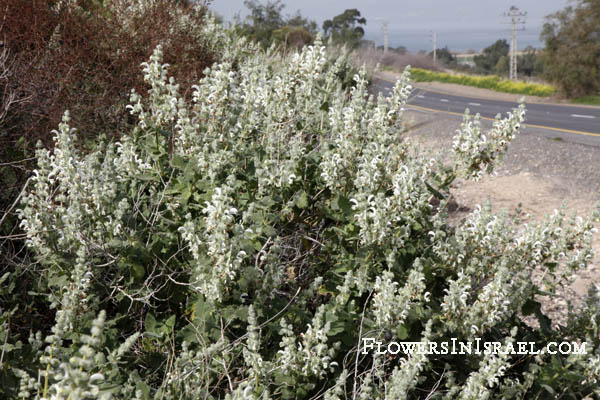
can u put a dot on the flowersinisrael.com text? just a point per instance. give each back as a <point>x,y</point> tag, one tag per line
<point>476,346</point>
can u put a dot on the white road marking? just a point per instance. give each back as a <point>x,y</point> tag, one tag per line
<point>445,100</point>
<point>474,104</point>
<point>582,116</point>
<point>420,96</point>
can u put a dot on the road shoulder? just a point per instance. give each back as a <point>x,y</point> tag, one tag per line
<point>474,92</point>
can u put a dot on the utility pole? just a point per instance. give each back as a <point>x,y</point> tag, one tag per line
<point>384,27</point>
<point>517,21</point>
<point>434,40</point>
<point>385,36</point>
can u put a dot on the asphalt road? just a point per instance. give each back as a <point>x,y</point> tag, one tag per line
<point>565,118</point>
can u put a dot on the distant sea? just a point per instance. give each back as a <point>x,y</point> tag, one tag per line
<point>456,40</point>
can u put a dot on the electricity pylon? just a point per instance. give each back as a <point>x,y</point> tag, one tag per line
<point>434,40</point>
<point>385,36</point>
<point>517,20</point>
<point>384,27</point>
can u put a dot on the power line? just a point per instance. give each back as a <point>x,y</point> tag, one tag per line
<point>517,21</point>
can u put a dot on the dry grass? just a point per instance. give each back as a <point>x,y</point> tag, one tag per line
<point>86,58</point>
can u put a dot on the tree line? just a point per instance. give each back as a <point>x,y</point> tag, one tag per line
<point>266,24</point>
<point>569,60</point>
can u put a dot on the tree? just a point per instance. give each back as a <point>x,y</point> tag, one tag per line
<point>488,59</point>
<point>266,25</point>
<point>345,27</point>
<point>401,49</point>
<point>572,56</point>
<point>298,32</point>
<point>444,56</point>
<point>527,63</point>
<point>292,36</point>
<point>297,20</point>
<point>502,67</point>
<point>263,20</point>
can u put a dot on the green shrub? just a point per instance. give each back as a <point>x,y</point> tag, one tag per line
<point>594,100</point>
<point>572,51</point>
<point>243,244</point>
<point>492,82</point>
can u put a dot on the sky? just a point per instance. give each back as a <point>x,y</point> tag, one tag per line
<point>460,24</point>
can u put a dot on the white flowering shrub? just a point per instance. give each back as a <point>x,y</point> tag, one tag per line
<point>242,245</point>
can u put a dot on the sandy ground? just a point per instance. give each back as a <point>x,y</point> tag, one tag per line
<point>542,171</point>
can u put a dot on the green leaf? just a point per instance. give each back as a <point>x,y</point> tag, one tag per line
<point>341,203</point>
<point>324,291</point>
<point>147,178</point>
<point>337,327</point>
<point>178,162</point>
<point>58,280</point>
<point>188,334</point>
<point>150,323</point>
<point>302,200</point>
<point>548,389</point>
<point>108,389</point>
<point>137,272</point>
<point>434,192</point>
<point>144,389</point>
<point>169,324</point>
<point>186,193</point>
<point>401,332</point>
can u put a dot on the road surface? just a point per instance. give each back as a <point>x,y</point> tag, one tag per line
<point>563,118</point>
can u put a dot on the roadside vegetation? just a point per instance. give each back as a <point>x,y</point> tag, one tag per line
<point>238,234</point>
<point>424,70</point>
<point>592,100</point>
<point>568,62</point>
<point>492,82</point>
<point>573,49</point>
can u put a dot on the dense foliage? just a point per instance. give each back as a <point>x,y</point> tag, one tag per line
<point>495,59</point>
<point>242,243</point>
<point>573,48</point>
<point>530,62</point>
<point>346,28</point>
<point>267,25</point>
<point>486,62</point>
<point>445,57</point>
